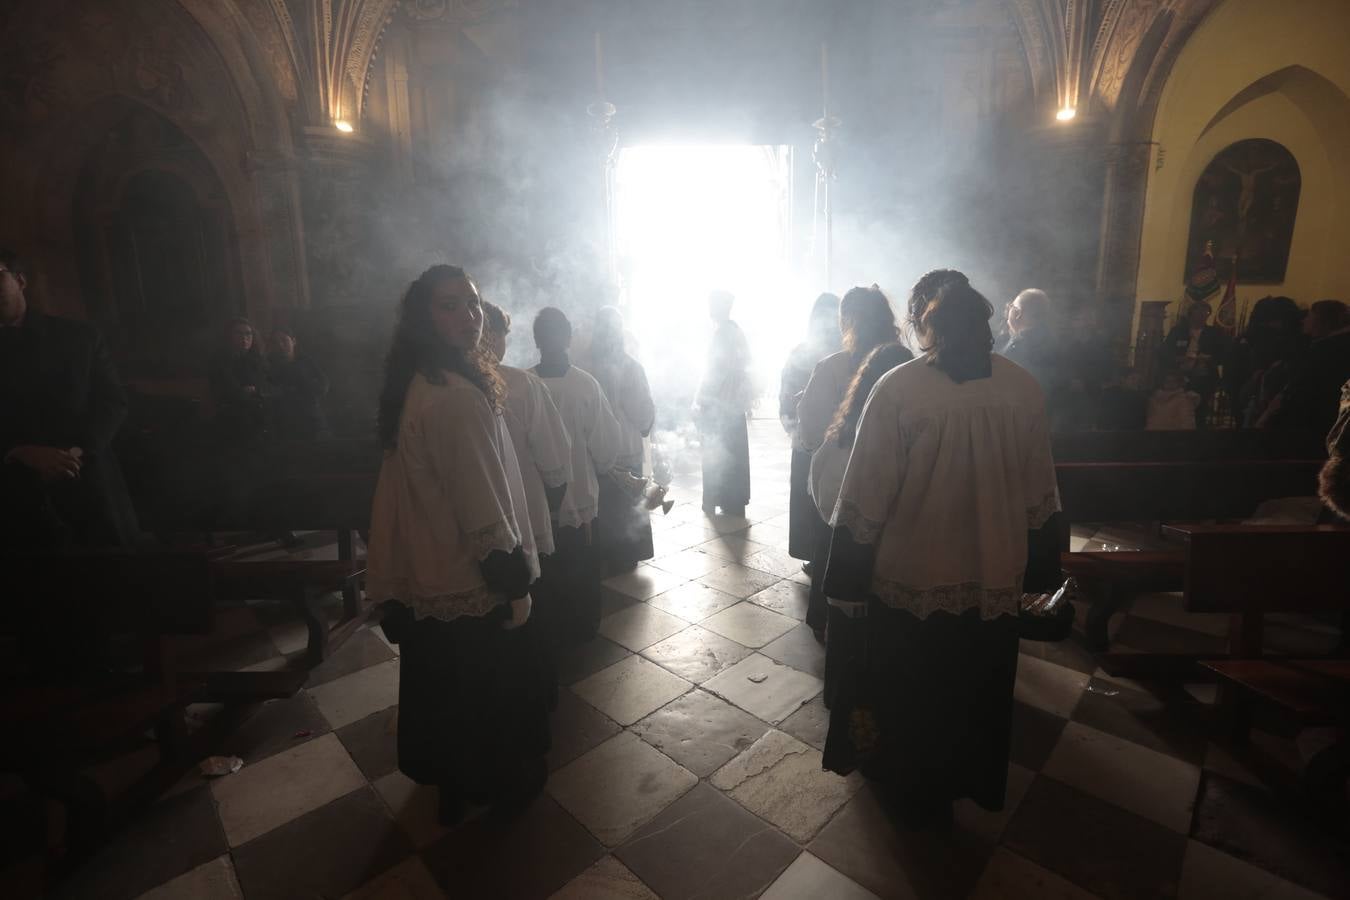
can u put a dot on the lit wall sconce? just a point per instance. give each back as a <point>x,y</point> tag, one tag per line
<point>343,126</point>
<point>1066,114</point>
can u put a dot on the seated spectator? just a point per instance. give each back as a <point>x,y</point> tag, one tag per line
<point>1172,407</point>
<point>1259,362</point>
<point>1308,402</point>
<point>1195,348</point>
<point>298,389</point>
<point>238,384</point>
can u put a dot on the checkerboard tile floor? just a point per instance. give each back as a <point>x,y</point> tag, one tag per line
<point>686,763</point>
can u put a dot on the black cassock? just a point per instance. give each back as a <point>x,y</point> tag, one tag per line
<point>724,399</point>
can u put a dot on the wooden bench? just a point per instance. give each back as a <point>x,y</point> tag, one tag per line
<point>1307,693</point>
<point>1142,491</point>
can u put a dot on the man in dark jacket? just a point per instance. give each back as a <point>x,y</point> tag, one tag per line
<point>60,406</point>
<point>1308,403</point>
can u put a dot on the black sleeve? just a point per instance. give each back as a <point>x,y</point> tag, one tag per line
<point>507,574</point>
<point>106,405</point>
<point>555,495</point>
<point>848,572</point>
<point>1043,573</point>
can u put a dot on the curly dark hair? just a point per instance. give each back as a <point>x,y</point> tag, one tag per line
<point>417,347</point>
<point>954,318</point>
<point>880,361</point>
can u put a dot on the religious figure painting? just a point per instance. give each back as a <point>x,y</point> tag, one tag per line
<point>1245,202</point>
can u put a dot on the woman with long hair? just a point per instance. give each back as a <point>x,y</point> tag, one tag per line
<point>822,339</point>
<point>827,473</point>
<point>950,468</point>
<point>866,321</point>
<point>452,552</point>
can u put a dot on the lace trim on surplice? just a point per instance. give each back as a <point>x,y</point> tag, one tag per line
<point>497,536</point>
<point>863,529</point>
<point>554,477</point>
<point>1039,514</point>
<point>950,598</point>
<point>476,601</point>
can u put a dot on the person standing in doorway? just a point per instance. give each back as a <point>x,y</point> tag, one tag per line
<point>725,398</point>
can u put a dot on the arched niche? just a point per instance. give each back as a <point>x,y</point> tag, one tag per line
<point>1245,204</point>
<point>155,244</point>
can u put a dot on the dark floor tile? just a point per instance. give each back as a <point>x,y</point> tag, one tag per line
<point>1175,724</point>
<point>700,732</point>
<point>362,650</point>
<point>1150,635</point>
<point>576,663</point>
<point>810,724</point>
<point>170,838</point>
<point>577,727</point>
<point>1034,735</point>
<point>1100,847</point>
<point>864,842</point>
<point>325,853</point>
<point>373,742</point>
<point>529,857</point>
<point>799,649</point>
<point>706,845</point>
<point>1247,822</point>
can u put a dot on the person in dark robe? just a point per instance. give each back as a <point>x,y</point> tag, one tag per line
<point>61,404</point>
<point>725,398</point>
<point>452,555</point>
<point>828,464</point>
<point>1308,402</point>
<point>572,573</point>
<point>951,467</point>
<point>298,388</point>
<point>623,527</point>
<point>238,379</point>
<point>822,339</point>
<point>866,321</point>
<point>1196,348</point>
<point>1259,363</point>
<point>1032,342</point>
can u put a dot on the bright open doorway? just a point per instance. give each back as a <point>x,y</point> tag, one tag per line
<point>690,219</point>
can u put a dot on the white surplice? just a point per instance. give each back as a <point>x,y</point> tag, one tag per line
<point>821,400</point>
<point>945,479</point>
<point>594,431</point>
<point>448,495</point>
<point>542,446</point>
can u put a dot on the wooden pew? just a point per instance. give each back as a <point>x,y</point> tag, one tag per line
<point>1143,491</point>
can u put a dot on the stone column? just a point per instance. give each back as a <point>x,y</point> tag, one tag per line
<point>1121,232</point>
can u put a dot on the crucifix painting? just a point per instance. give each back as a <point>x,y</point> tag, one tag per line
<point>1246,201</point>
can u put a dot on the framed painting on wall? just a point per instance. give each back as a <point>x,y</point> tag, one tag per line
<point>1246,201</point>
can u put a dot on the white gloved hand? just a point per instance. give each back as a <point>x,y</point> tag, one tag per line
<point>520,612</point>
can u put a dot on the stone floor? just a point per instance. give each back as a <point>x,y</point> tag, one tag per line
<point>686,763</point>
